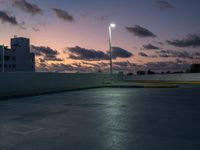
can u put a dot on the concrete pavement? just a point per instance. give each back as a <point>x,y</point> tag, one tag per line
<point>103,119</point>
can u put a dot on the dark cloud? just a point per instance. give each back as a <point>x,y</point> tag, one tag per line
<point>86,54</point>
<point>196,55</point>
<point>126,66</point>
<point>99,66</point>
<point>64,15</point>
<point>55,67</point>
<point>146,55</point>
<point>181,61</point>
<point>75,67</point>
<point>44,50</point>
<point>140,31</point>
<point>47,53</point>
<point>41,66</point>
<point>143,54</point>
<point>27,7</point>
<point>95,55</point>
<point>150,47</point>
<point>52,58</point>
<point>122,64</point>
<point>118,52</point>
<point>176,54</point>
<point>164,5</point>
<point>192,40</point>
<point>61,67</point>
<point>6,18</point>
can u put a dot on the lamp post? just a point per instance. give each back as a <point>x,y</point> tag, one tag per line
<point>112,25</point>
<point>3,61</point>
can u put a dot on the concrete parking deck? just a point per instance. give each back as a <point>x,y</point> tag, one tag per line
<point>103,119</point>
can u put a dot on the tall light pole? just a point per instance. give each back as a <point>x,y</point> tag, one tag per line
<point>3,61</point>
<point>112,25</point>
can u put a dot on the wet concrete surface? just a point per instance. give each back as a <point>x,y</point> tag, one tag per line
<point>103,119</point>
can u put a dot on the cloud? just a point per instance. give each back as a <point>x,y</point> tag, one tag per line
<point>176,54</point>
<point>118,52</point>
<point>160,43</point>
<point>54,67</point>
<point>150,47</point>
<point>146,55</point>
<point>192,40</point>
<point>27,7</point>
<point>41,66</point>
<point>122,64</point>
<point>65,68</point>
<point>143,54</point>
<point>165,5</point>
<point>47,53</point>
<point>140,32</point>
<point>196,56</point>
<point>86,54</point>
<point>64,15</point>
<point>127,66</point>
<point>61,67</point>
<point>79,53</point>
<point>181,61</point>
<point>6,18</point>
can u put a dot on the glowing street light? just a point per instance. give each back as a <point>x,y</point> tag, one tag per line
<point>112,25</point>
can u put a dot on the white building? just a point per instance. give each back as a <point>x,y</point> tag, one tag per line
<point>19,57</point>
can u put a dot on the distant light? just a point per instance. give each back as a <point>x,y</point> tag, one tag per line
<point>112,25</point>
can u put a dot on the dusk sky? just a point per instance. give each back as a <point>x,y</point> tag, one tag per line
<point>72,35</point>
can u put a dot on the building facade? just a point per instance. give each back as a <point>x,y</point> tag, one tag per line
<point>18,57</point>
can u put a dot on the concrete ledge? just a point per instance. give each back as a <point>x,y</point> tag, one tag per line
<point>187,78</point>
<point>26,84</point>
<point>141,85</point>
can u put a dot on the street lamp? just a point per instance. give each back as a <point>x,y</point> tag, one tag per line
<point>112,25</point>
<point>3,61</point>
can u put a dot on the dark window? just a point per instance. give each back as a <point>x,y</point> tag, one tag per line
<point>0,57</point>
<point>13,66</point>
<point>14,58</point>
<point>7,58</point>
<point>9,66</point>
<point>5,65</point>
<point>0,65</point>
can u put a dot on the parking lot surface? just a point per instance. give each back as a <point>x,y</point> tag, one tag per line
<point>103,119</point>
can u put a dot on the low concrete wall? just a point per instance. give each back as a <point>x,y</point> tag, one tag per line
<point>22,84</point>
<point>188,77</point>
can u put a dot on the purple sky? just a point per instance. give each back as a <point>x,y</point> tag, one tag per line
<point>73,35</point>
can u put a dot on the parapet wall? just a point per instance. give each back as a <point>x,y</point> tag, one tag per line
<point>22,84</point>
<point>187,77</point>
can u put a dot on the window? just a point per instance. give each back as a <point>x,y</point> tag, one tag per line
<point>0,65</point>
<point>9,66</point>
<point>13,66</point>
<point>6,58</point>
<point>5,65</point>
<point>0,57</point>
